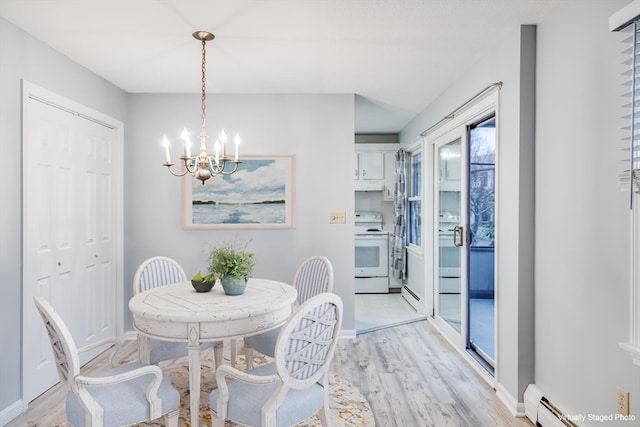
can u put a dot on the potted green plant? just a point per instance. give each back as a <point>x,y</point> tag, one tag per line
<point>203,283</point>
<point>233,265</point>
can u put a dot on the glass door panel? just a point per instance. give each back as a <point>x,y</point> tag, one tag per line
<point>450,242</point>
<point>481,215</point>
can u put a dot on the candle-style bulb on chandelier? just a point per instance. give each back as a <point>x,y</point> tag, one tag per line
<point>203,166</point>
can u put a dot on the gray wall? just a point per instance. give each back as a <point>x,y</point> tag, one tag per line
<point>577,307</point>
<point>317,129</point>
<point>582,219</point>
<point>514,241</point>
<point>23,57</point>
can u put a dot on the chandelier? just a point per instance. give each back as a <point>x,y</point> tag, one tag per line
<point>203,166</point>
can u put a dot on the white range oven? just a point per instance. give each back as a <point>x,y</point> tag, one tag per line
<point>371,253</point>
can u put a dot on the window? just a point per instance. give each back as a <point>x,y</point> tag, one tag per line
<point>414,236</point>
<point>627,21</point>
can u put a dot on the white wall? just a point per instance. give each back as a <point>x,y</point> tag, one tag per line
<point>23,57</point>
<point>317,129</point>
<point>581,221</point>
<point>514,232</point>
<point>582,242</point>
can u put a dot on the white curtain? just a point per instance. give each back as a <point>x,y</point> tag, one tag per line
<point>398,255</point>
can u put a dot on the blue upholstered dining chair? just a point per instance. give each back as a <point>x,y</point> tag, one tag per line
<point>123,395</point>
<point>160,271</point>
<point>292,388</point>
<point>314,276</point>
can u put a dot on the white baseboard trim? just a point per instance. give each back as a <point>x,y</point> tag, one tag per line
<point>11,412</point>
<point>347,334</point>
<point>130,335</point>
<point>515,408</point>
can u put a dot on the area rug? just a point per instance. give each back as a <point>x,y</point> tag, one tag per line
<point>347,406</point>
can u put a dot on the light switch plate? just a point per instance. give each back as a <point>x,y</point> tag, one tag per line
<point>337,218</point>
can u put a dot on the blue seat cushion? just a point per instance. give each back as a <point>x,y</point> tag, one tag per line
<point>246,400</point>
<point>123,403</point>
<point>165,350</point>
<point>265,342</point>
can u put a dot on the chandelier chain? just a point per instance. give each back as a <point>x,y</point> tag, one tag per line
<point>204,89</point>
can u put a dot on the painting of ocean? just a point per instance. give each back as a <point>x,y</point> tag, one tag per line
<point>239,214</point>
<point>258,193</point>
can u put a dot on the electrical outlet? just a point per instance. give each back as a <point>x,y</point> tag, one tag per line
<point>623,401</point>
<point>337,218</point>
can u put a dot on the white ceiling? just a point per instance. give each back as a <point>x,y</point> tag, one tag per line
<point>395,55</point>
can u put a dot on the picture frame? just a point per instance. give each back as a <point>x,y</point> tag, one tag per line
<point>259,195</point>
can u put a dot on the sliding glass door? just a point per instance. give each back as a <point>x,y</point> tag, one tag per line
<point>464,217</point>
<point>450,205</point>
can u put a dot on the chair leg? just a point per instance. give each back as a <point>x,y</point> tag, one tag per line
<point>171,419</point>
<point>144,349</point>
<point>324,415</point>
<point>248,355</point>
<point>217,354</point>
<point>233,342</point>
<point>216,421</point>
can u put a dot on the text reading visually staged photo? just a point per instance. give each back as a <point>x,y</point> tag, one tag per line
<point>260,194</point>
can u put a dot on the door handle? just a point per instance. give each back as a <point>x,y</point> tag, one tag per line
<point>458,233</point>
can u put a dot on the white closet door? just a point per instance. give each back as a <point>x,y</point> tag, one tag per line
<point>70,232</point>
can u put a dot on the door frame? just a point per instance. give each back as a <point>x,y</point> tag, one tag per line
<point>35,92</point>
<point>472,111</point>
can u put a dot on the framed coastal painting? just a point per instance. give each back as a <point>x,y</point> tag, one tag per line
<point>260,194</point>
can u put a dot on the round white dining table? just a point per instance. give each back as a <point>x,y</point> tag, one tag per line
<point>177,312</point>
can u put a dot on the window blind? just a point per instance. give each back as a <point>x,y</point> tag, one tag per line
<point>627,21</point>
<point>631,94</point>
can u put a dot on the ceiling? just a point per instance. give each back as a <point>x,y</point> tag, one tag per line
<point>396,55</point>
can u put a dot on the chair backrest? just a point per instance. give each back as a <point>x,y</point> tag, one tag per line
<point>307,341</point>
<point>157,271</point>
<point>65,352</point>
<point>313,277</point>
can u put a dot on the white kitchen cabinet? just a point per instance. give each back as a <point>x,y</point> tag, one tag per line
<point>369,170</point>
<point>375,168</point>
<point>388,192</point>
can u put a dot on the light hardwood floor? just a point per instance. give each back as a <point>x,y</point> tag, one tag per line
<point>410,375</point>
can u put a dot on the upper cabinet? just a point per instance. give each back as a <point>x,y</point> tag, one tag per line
<point>369,170</point>
<point>375,166</point>
<point>388,192</point>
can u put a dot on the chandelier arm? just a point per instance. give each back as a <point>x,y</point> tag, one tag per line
<point>168,165</point>
<point>235,168</point>
<point>190,164</point>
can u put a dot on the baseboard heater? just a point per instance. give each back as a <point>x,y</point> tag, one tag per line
<point>541,411</point>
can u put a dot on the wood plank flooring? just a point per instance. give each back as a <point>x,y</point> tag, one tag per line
<point>410,375</point>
